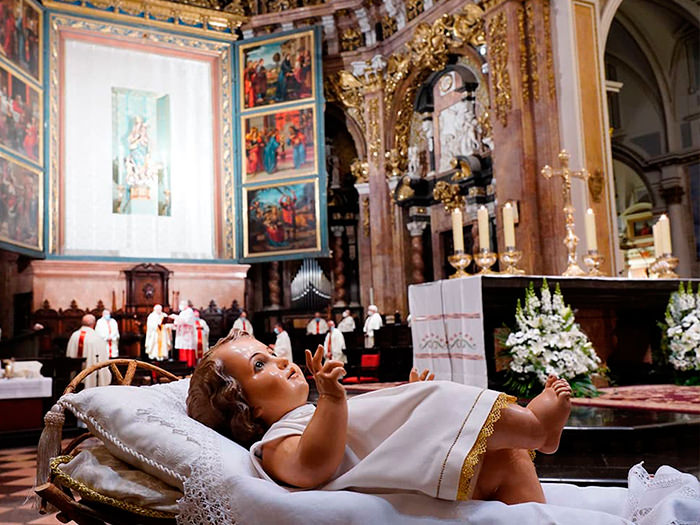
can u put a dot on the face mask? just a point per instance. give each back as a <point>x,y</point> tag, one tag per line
<point>106,316</point>
<point>276,330</point>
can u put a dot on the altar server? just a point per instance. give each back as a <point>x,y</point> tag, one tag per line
<point>317,325</point>
<point>334,344</point>
<point>372,323</point>
<point>108,330</point>
<point>158,335</point>
<point>347,324</point>
<point>185,341</point>
<point>243,323</point>
<point>85,342</point>
<point>283,345</point>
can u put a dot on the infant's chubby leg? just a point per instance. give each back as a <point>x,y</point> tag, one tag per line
<point>552,407</point>
<point>537,426</point>
<point>509,476</point>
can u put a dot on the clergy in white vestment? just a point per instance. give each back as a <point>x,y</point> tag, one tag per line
<point>347,323</point>
<point>202,332</point>
<point>283,345</point>
<point>372,323</point>
<point>334,344</point>
<point>85,342</point>
<point>185,338</point>
<point>243,323</point>
<point>158,337</point>
<point>317,325</point>
<point>108,330</point>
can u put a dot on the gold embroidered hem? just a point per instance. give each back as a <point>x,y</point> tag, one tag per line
<point>472,463</point>
<point>63,479</point>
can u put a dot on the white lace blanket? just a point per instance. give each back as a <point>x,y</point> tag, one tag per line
<point>212,497</point>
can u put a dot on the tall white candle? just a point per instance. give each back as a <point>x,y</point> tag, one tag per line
<point>483,221</point>
<point>457,235</point>
<point>509,225</point>
<point>657,241</point>
<point>591,240</point>
<point>665,234</point>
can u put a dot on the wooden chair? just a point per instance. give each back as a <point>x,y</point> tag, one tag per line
<point>93,508</point>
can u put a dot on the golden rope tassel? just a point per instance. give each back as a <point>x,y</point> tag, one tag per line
<point>49,447</point>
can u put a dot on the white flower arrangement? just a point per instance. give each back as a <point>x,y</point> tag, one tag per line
<point>681,330</point>
<point>548,341</point>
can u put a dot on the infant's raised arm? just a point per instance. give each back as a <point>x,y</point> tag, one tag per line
<point>310,460</point>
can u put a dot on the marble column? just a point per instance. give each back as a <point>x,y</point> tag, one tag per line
<point>415,229</point>
<point>681,228</point>
<point>339,290</point>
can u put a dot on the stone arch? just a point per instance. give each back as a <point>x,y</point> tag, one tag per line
<point>336,111</point>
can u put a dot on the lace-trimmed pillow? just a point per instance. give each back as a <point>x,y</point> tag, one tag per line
<point>148,428</point>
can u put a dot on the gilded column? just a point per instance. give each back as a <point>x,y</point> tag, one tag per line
<point>515,159</point>
<point>339,290</point>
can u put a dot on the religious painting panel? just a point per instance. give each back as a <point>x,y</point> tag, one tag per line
<point>277,71</point>
<point>20,40</point>
<point>21,204</point>
<point>140,152</point>
<point>639,226</point>
<point>279,144</point>
<point>20,116</point>
<point>282,219</point>
<point>142,167</point>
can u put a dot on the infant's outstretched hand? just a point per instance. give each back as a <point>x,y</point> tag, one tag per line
<point>326,375</point>
<point>413,377</point>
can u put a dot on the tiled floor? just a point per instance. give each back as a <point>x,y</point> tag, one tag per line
<point>17,472</point>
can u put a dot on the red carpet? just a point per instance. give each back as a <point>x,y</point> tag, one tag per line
<point>647,397</point>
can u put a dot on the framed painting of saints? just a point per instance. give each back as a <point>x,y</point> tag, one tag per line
<point>20,30</point>
<point>281,219</point>
<point>21,204</point>
<point>20,116</point>
<point>278,71</point>
<point>279,144</point>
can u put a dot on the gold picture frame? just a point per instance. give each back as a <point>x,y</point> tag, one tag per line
<point>26,46</point>
<point>21,204</point>
<point>289,129</point>
<point>291,79</point>
<point>22,131</point>
<point>270,229</point>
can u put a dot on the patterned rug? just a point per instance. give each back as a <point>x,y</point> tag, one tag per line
<point>647,397</point>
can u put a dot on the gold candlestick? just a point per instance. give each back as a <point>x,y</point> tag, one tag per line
<point>570,240</point>
<point>484,259</point>
<point>593,260</point>
<point>459,261</point>
<point>665,266</point>
<point>510,259</point>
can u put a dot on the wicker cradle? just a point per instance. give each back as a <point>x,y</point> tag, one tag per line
<point>60,491</point>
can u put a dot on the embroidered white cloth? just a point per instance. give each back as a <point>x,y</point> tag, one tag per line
<point>448,329</point>
<point>24,388</point>
<point>382,451</point>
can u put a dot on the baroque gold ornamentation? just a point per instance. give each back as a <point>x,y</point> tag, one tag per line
<point>373,141</point>
<point>402,126</point>
<point>393,160</point>
<point>463,172</point>
<point>365,218</point>
<point>548,50</point>
<point>522,46</point>
<point>346,89</point>
<point>413,8</point>
<point>596,185</point>
<point>389,26</point>
<point>532,55</point>
<point>199,16</point>
<point>350,39</point>
<point>360,171</point>
<point>498,60</point>
<point>449,195</point>
<point>129,33</point>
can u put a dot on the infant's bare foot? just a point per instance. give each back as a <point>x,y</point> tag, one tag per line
<point>552,408</point>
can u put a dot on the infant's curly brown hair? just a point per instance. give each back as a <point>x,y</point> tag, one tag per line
<point>216,398</point>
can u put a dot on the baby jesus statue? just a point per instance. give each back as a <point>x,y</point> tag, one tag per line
<point>443,439</point>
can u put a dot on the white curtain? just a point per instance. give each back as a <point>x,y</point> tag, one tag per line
<point>90,73</point>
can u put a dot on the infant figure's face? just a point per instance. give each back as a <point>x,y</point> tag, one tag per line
<point>272,385</point>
